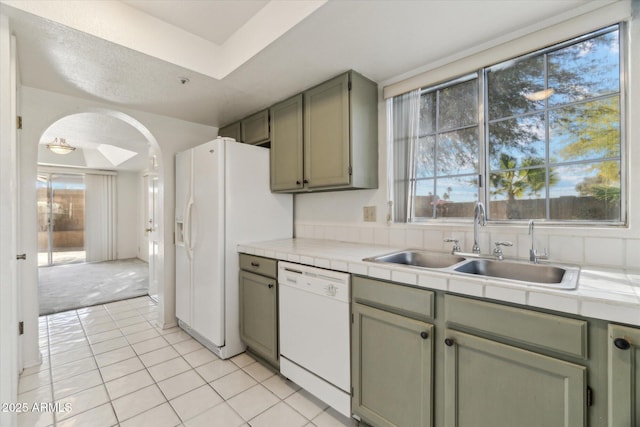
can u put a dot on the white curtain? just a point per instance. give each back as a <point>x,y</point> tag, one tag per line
<point>100,217</point>
<point>403,125</point>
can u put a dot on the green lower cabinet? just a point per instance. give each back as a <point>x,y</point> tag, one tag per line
<point>624,376</point>
<point>392,360</point>
<point>259,315</point>
<point>487,383</point>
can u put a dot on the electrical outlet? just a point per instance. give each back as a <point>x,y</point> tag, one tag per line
<point>369,213</point>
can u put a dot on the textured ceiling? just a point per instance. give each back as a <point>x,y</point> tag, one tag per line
<point>381,39</point>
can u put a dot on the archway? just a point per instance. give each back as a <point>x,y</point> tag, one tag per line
<point>109,139</point>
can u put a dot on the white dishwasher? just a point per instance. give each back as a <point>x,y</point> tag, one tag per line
<point>314,332</point>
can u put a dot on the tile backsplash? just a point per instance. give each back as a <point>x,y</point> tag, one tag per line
<point>584,250</point>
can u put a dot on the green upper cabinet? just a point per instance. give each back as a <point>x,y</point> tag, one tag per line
<point>326,134</point>
<point>255,128</point>
<point>339,144</point>
<point>286,145</point>
<point>231,131</point>
<point>492,384</point>
<point>624,376</point>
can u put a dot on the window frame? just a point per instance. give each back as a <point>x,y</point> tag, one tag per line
<point>483,188</point>
<point>411,218</point>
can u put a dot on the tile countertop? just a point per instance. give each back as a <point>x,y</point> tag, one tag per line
<point>602,294</point>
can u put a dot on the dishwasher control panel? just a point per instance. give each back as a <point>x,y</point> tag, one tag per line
<point>319,281</point>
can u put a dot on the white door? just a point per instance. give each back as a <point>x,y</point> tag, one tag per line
<point>182,236</point>
<point>9,299</point>
<point>151,228</point>
<point>207,240</point>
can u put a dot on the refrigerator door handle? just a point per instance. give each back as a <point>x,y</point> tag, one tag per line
<point>187,229</point>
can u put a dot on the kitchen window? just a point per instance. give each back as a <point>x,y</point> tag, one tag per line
<point>535,137</point>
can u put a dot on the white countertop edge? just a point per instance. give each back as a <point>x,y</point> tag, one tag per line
<point>598,300</point>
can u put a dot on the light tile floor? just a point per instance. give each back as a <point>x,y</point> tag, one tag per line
<point>112,367</point>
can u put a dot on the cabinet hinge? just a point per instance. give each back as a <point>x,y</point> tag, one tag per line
<point>19,122</point>
<point>589,396</point>
<point>20,328</point>
<point>350,170</point>
<point>349,85</point>
<point>351,317</point>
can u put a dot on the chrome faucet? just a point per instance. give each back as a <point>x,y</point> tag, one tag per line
<point>456,244</point>
<point>497,251</point>
<point>534,257</point>
<point>479,218</point>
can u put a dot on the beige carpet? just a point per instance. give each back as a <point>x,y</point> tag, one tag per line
<point>71,286</point>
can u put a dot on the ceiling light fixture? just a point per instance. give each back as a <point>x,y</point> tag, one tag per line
<point>60,146</point>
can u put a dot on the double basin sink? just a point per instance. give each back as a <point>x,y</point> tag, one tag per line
<point>548,275</point>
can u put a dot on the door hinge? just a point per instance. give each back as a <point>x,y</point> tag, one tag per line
<point>589,396</point>
<point>20,328</point>
<point>19,122</point>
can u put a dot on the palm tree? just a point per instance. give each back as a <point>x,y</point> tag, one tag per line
<point>514,181</point>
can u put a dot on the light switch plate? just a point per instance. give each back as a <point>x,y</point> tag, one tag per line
<point>369,213</point>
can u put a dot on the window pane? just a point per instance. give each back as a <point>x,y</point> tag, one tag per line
<point>585,70</point>
<point>585,131</point>
<point>518,194</point>
<point>425,157</point>
<point>586,192</point>
<point>456,196</point>
<point>458,105</point>
<point>458,152</point>
<point>424,198</point>
<point>515,87</point>
<point>552,138</point>
<point>427,113</point>
<point>452,197</point>
<point>516,138</point>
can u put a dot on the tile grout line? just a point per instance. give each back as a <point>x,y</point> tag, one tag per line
<point>86,336</point>
<point>145,368</point>
<point>50,367</point>
<point>143,311</point>
<point>99,372</point>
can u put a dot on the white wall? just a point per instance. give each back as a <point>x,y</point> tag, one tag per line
<point>128,217</point>
<point>42,108</point>
<point>338,215</point>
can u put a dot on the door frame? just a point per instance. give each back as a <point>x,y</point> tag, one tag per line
<point>10,358</point>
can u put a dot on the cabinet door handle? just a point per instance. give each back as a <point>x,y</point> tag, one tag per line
<point>622,343</point>
<point>305,181</point>
<point>449,342</point>
<point>270,285</point>
<point>424,335</point>
<point>298,183</point>
<point>255,264</point>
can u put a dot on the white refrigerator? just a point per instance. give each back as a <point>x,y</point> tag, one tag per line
<point>223,198</point>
